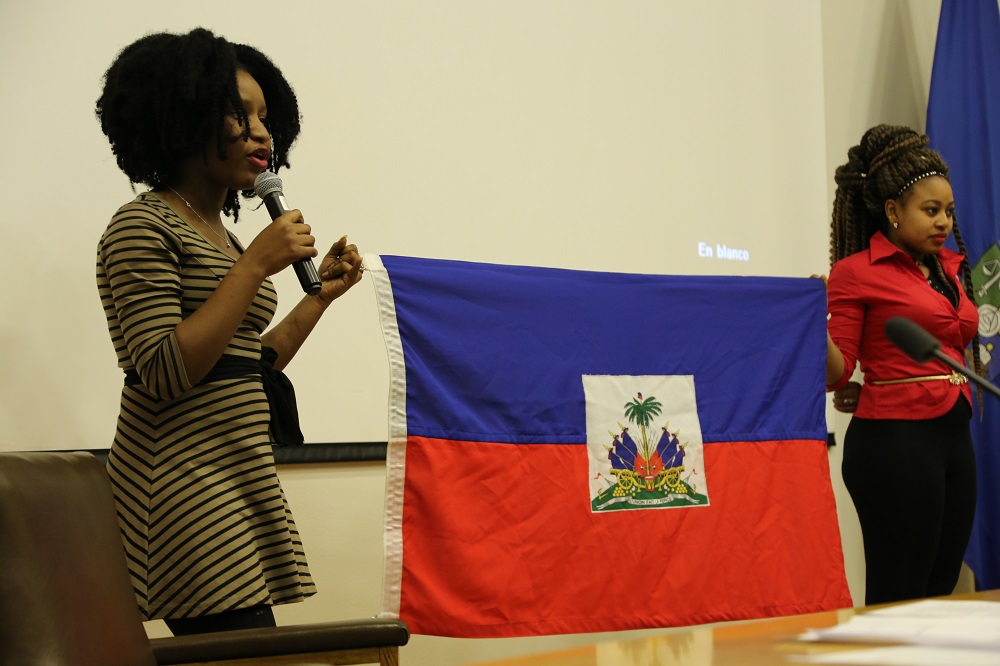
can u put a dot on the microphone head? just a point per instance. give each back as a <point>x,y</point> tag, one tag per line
<point>267,183</point>
<point>915,342</point>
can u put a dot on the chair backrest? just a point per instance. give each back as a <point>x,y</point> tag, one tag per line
<point>65,594</point>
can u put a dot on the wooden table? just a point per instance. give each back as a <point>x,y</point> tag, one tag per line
<point>753,643</point>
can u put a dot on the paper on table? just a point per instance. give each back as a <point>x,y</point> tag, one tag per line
<point>940,608</point>
<point>903,655</point>
<point>977,632</point>
<point>955,623</point>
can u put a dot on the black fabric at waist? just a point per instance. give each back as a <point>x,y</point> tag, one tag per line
<point>278,388</point>
<point>228,366</point>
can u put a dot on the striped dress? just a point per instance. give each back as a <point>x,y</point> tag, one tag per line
<point>204,520</point>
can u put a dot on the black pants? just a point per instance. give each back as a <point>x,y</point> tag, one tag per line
<point>243,618</point>
<point>914,486</point>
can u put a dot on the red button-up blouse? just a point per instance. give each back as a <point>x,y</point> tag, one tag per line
<point>870,287</point>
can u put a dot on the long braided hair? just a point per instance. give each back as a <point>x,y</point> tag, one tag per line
<point>885,165</point>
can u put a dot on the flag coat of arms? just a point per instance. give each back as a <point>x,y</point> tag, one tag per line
<point>577,451</point>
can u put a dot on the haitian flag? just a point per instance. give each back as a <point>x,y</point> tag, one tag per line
<point>575,451</point>
<point>963,122</point>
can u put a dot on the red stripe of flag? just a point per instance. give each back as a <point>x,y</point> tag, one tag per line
<point>499,540</point>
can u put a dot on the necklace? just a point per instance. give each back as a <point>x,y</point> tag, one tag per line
<point>935,283</point>
<point>224,239</point>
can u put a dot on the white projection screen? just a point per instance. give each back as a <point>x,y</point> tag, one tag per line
<point>628,136</point>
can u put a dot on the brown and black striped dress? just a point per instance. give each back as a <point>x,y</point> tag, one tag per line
<point>204,520</point>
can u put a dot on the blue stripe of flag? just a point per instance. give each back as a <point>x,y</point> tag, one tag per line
<point>496,353</point>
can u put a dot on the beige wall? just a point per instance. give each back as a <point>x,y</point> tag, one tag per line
<point>570,133</point>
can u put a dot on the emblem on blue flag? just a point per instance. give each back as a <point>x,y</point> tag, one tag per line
<point>644,442</point>
<point>986,283</point>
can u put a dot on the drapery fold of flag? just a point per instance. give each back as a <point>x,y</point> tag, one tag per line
<point>577,451</point>
<point>963,122</point>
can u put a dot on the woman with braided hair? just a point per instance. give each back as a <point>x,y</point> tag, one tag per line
<point>210,541</point>
<point>908,457</point>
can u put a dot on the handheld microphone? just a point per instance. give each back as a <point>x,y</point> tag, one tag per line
<point>268,187</point>
<point>921,346</point>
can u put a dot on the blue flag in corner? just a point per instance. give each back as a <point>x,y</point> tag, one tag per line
<point>963,121</point>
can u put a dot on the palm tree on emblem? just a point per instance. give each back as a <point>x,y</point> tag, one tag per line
<point>642,412</point>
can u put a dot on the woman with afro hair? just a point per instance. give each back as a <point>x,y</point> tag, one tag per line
<point>209,539</point>
<point>908,457</point>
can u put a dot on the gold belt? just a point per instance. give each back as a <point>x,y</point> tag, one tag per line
<point>954,378</point>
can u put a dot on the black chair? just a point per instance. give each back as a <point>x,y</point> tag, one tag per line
<point>66,598</point>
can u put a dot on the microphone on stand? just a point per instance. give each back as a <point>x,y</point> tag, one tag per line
<point>921,346</point>
<point>268,187</point>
